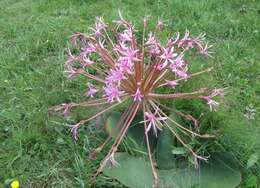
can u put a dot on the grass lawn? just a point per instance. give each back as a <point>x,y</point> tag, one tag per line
<point>37,148</point>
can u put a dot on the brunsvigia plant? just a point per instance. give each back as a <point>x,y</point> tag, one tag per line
<point>122,66</point>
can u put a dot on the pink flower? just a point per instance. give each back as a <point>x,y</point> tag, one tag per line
<point>86,61</point>
<point>179,67</point>
<point>74,130</point>
<point>89,49</point>
<point>199,40</point>
<point>179,71</point>
<point>67,108</point>
<point>176,39</point>
<point>70,61</point>
<point>72,73</point>
<point>162,66</point>
<point>154,50</point>
<point>115,76</point>
<point>126,52</point>
<point>159,25</point>
<point>172,83</point>
<point>179,62</point>
<point>92,91</point>
<point>99,26</point>
<point>120,47</point>
<point>126,36</point>
<point>218,92</point>
<point>112,93</point>
<point>138,96</point>
<point>182,74</point>
<point>125,65</point>
<point>151,39</point>
<point>185,39</point>
<point>130,54</point>
<point>168,54</point>
<point>152,122</point>
<point>212,104</point>
<point>205,51</point>
<point>153,45</point>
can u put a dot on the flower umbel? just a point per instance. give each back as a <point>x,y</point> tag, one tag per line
<point>123,68</point>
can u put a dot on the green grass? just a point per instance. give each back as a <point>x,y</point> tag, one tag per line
<point>37,148</point>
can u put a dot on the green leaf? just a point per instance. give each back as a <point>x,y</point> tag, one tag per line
<point>219,171</point>
<point>134,140</point>
<point>132,171</point>
<point>135,172</point>
<point>135,132</point>
<point>166,141</point>
<point>164,157</point>
<point>252,160</point>
<point>179,151</point>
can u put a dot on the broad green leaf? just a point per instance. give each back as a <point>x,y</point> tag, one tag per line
<point>166,141</point>
<point>219,171</point>
<point>164,157</point>
<point>134,140</point>
<point>132,171</point>
<point>135,172</point>
<point>136,134</point>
